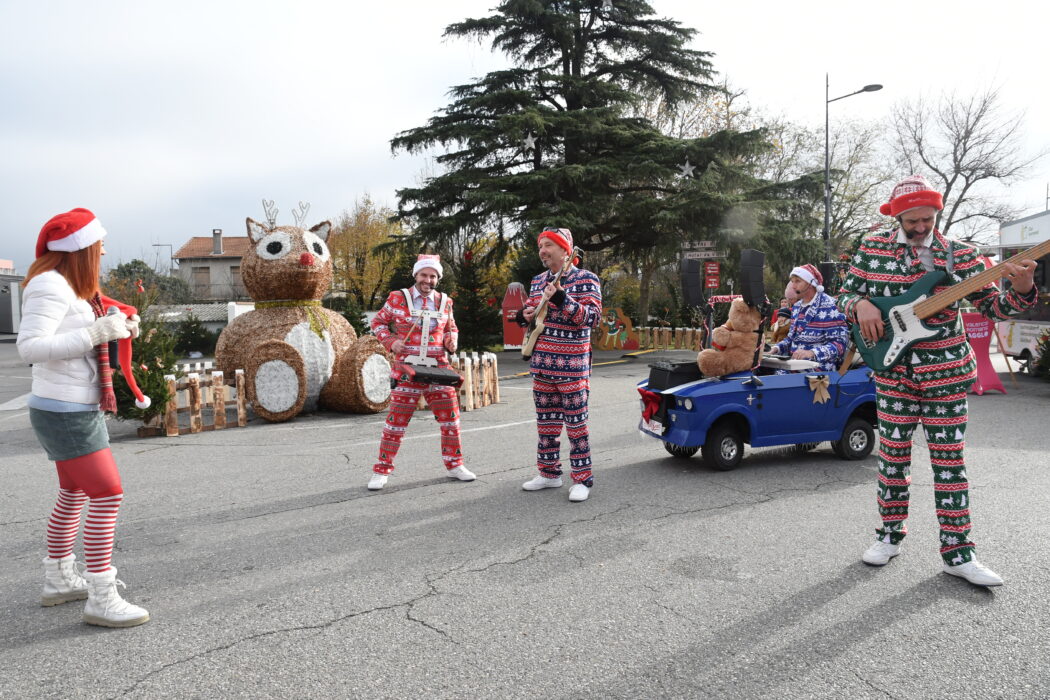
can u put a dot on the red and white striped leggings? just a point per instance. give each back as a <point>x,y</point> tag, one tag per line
<point>91,479</point>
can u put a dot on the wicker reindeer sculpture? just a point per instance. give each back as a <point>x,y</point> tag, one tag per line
<point>297,355</point>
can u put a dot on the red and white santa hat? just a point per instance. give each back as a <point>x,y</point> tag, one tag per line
<point>912,192</point>
<point>69,232</point>
<point>809,273</point>
<point>431,261</point>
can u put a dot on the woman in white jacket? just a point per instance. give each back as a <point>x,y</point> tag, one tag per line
<point>64,333</point>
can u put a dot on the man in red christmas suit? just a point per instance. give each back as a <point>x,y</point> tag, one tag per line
<point>412,321</point>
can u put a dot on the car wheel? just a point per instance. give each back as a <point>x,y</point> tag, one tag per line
<point>1025,360</point>
<point>857,441</point>
<point>724,448</point>
<point>679,450</point>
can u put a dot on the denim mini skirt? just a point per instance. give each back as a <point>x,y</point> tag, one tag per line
<point>69,435</point>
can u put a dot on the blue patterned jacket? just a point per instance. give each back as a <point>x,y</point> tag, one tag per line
<point>563,351</point>
<point>819,327</point>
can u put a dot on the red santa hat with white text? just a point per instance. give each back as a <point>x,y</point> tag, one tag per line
<point>910,193</point>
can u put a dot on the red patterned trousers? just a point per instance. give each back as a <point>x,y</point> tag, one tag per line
<point>443,401</point>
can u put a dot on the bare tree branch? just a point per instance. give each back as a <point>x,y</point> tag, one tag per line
<point>967,146</point>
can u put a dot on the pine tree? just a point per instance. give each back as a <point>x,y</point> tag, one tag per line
<point>153,355</point>
<point>192,336</point>
<point>477,312</point>
<point>551,140</point>
<point>1040,363</point>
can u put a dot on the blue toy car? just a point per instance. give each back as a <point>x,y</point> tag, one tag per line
<point>719,414</point>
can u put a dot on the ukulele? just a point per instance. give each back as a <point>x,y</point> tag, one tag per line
<point>903,316</point>
<point>536,325</point>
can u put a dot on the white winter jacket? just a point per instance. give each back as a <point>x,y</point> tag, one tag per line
<point>53,337</point>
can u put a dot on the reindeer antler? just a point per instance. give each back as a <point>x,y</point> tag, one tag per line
<point>271,212</point>
<point>300,214</point>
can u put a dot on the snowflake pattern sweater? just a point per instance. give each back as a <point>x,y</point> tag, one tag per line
<point>563,351</point>
<point>819,327</point>
<point>882,266</point>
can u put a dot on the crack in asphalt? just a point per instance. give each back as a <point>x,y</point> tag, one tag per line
<point>287,630</point>
<point>432,582</point>
<point>534,549</point>
<point>432,592</point>
<point>871,685</point>
<point>668,608</point>
<point>759,496</point>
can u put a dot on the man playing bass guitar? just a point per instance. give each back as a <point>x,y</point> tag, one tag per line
<point>930,381</point>
<point>561,362</point>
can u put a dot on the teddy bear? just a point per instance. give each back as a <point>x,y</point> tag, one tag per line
<point>733,344</point>
<point>297,355</point>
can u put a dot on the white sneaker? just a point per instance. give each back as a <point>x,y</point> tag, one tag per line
<point>377,481</point>
<point>975,572</point>
<point>461,473</point>
<point>62,581</point>
<point>880,553</point>
<point>579,492</point>
<point>542,482</point>
<point>105,607</point>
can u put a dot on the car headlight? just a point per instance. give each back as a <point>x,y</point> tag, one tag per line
<point>688,403</point>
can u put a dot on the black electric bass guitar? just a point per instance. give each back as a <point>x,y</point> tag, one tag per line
<point>903,316</point>
<point>536,326</point>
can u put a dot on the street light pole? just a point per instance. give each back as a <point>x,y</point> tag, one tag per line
<point>827,158</point>
<point>171,254</point>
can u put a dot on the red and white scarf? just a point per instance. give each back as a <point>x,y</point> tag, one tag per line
<point>108,401</point>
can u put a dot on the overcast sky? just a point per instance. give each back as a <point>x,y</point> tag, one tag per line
<point>171,119</point>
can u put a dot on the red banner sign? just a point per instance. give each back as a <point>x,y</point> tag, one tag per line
<point>979,331</point>
<point>711,275</point>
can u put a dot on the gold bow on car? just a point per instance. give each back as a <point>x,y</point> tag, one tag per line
<point>819,384</point>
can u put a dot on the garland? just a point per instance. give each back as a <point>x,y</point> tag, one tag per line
<point>318,321</point>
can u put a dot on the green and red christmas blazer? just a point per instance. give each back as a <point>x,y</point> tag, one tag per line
<point>883,266</point>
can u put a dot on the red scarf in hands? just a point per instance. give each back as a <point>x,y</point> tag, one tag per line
<point>108,401</point>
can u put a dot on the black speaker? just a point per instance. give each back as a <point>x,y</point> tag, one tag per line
<point>692,291</point>
<point>752,288</point>
<point>827,272</point>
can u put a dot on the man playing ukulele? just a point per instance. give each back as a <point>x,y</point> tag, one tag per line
<point>561,362</point>
<point>929,385</point>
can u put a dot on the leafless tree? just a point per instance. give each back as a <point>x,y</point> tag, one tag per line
<point>967,146</point>
<point>859,171</point>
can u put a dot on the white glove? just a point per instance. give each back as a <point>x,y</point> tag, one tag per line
<point>107,328</point>
<point>133,325</point>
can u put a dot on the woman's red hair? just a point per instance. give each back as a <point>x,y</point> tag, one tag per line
<point>81,268</point>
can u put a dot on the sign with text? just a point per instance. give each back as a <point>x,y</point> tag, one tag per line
<point>702,254</point>
<point>979,333</point>
<point>697,245</point>
<point>711,275</point>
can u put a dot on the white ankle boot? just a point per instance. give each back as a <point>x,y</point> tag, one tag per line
<point>62,581</point>
<point>105,607</point>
